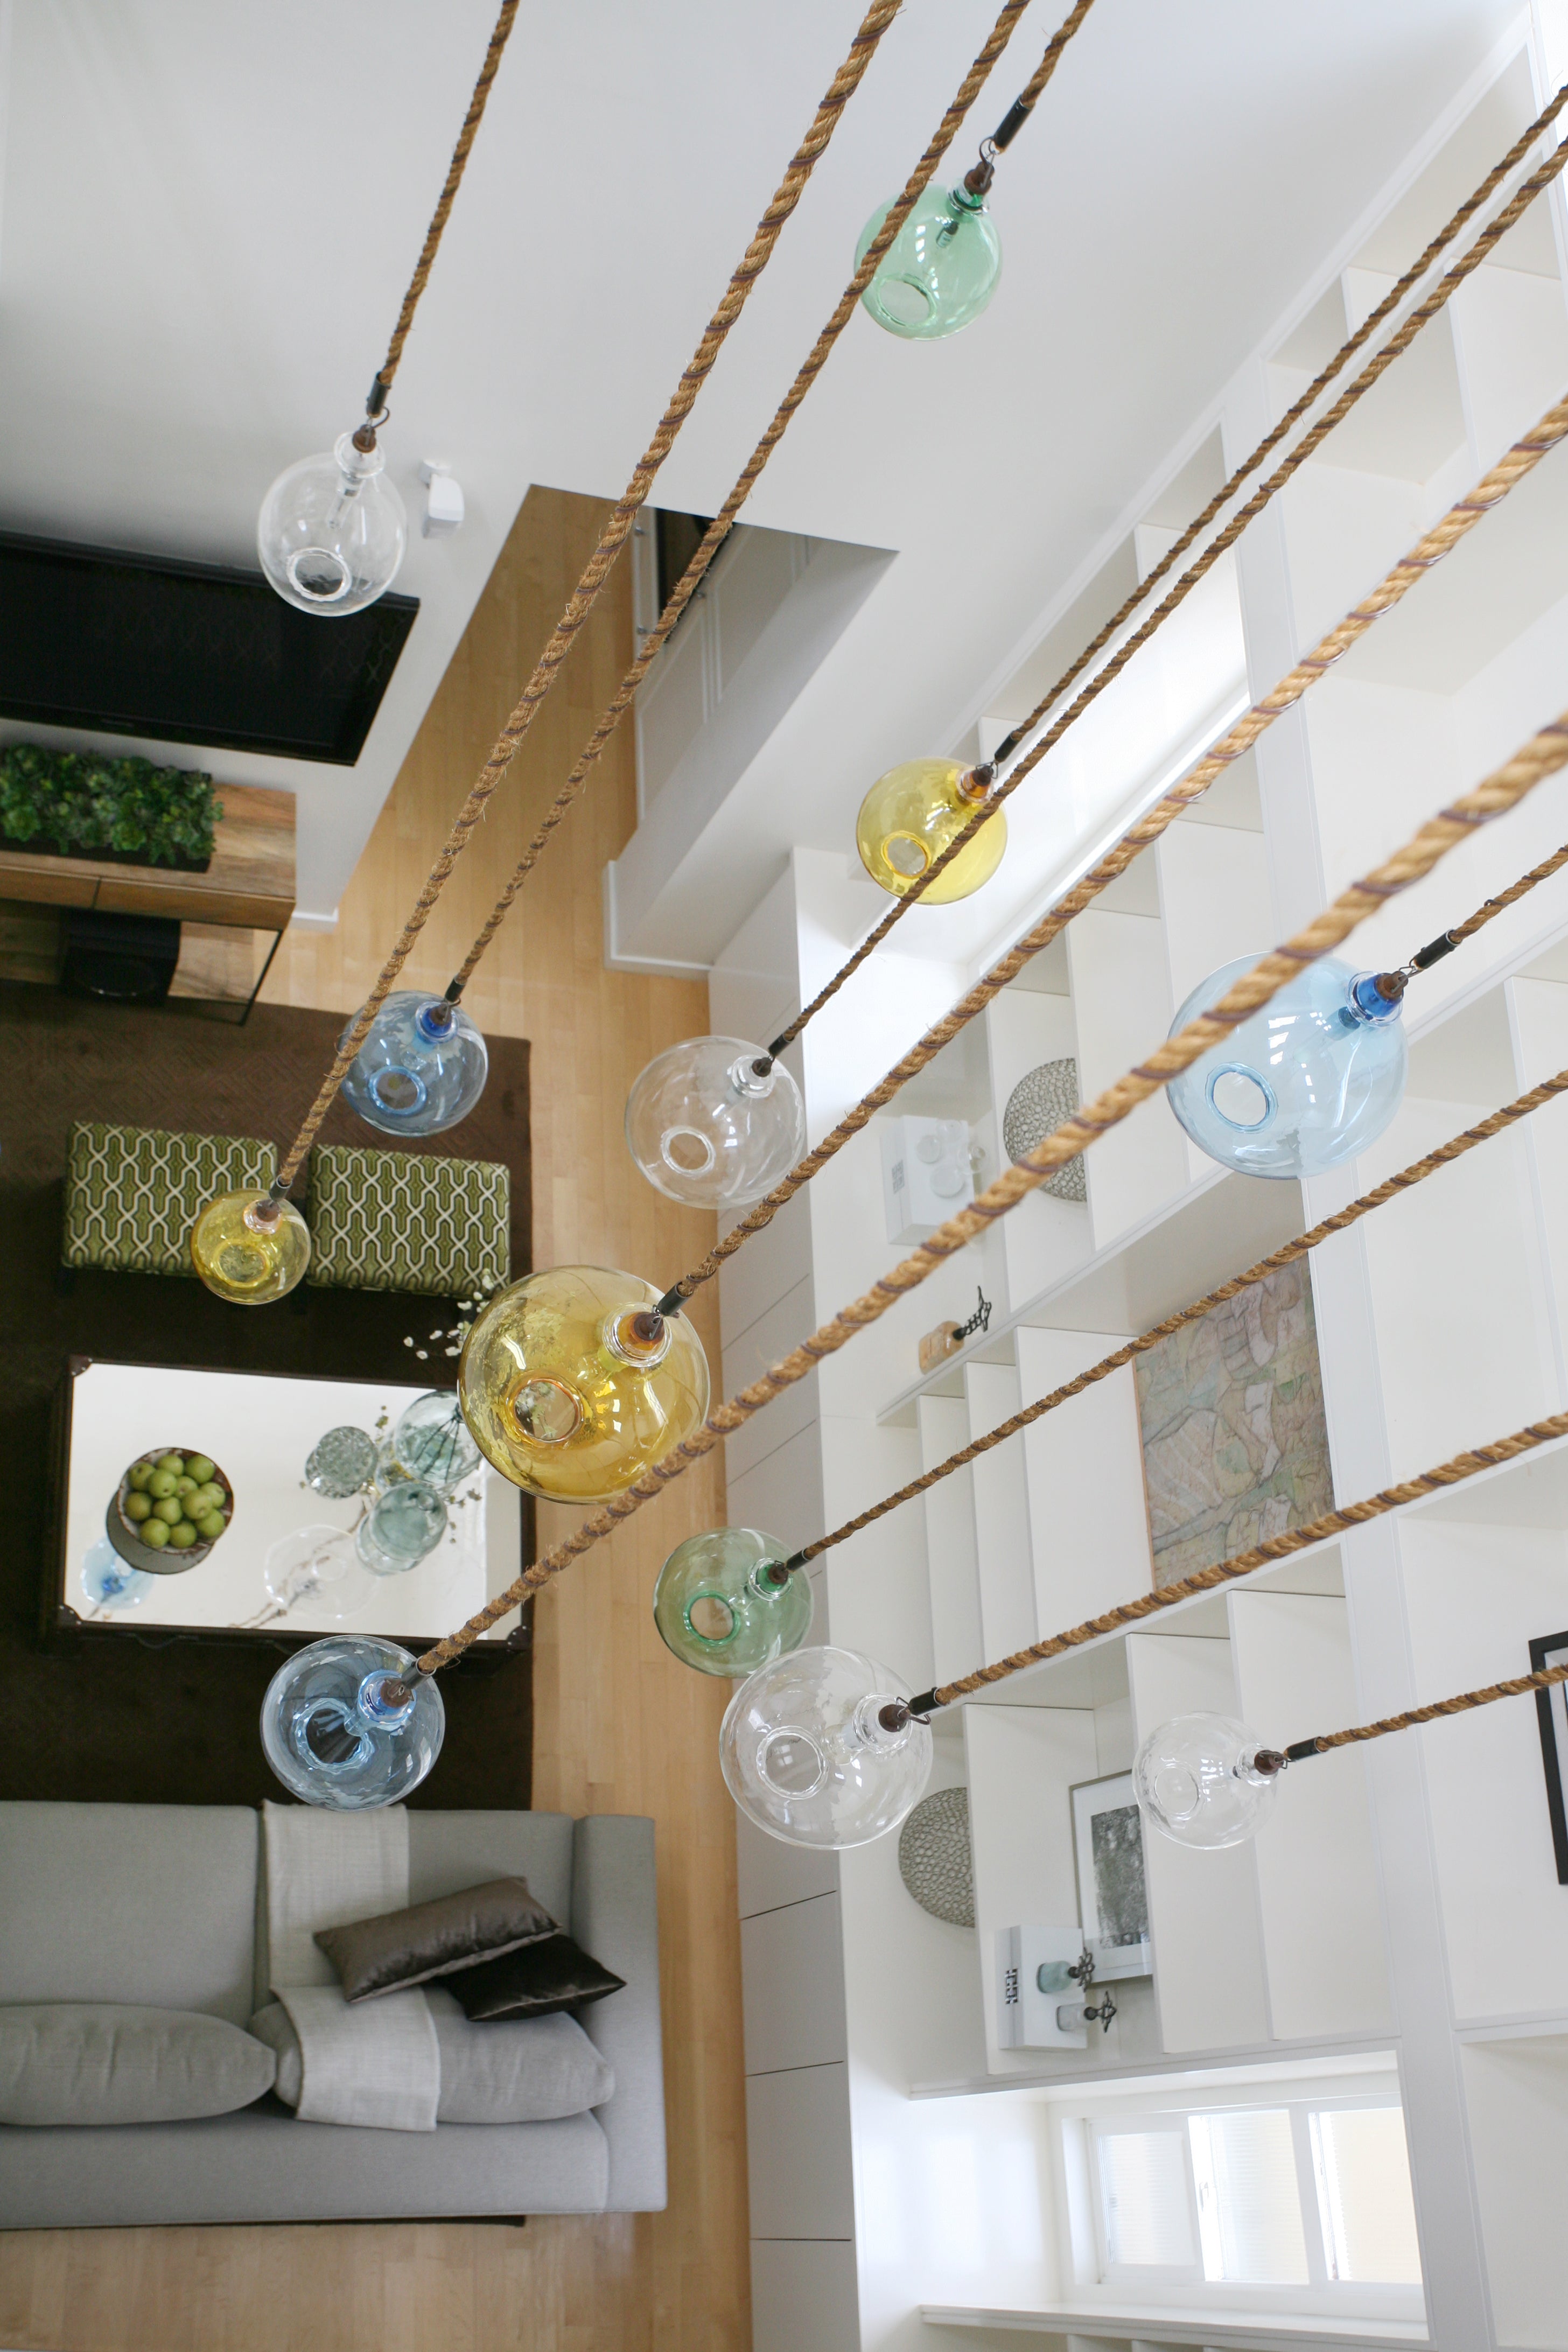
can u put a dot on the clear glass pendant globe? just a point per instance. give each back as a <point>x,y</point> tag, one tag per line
<point>908,817</point>
<point>341,1728</point>
<point>711,1122</point>
<point>1197,1781</point>
<point>401,1527</point>
<point>332,531</point>
<point>433,1441</point>
<point>246,1253</point>
<point>573,1386</point>
<point>940,271</point>
<point>719,1608</point>
<point>1308,1080</point>
<point>422,1067</point>
<point>806,1753</point>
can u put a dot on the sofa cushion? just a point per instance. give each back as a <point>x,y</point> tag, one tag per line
<point>533,2072</point>
<point>421,1221</point>
<point>132,1193</point>
<point>128,1903</point>
<point>105,2063</point>
<point>430,1939</point>
<point>548,1974</point>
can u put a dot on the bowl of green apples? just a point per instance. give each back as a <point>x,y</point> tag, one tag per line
<point>169,1509</point>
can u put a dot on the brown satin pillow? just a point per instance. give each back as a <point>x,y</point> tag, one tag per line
<point>552,1973</point>
<point>432,1940</point>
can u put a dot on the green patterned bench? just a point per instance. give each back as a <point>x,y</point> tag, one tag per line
<point>408,1220</point>
<point>132,1193</point>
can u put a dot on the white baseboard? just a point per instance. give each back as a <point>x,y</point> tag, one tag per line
<point>303,920</point>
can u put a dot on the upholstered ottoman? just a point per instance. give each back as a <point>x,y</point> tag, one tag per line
<point>408,1220</point>
<point>132,1193</point>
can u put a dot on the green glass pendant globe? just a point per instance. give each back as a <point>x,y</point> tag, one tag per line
<point>726,1603</point>
<point>941,269</point>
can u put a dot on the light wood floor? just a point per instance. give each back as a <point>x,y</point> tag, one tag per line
<point>619,1725</point>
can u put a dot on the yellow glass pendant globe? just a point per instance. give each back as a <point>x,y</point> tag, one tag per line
<point>573,1386</point>
<point>907,820</point>
<point>249,1248</point>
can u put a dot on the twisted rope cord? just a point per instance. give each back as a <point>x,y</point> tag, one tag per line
<point>579,603</point>
<point>1490,908</point>
<point>421,276</point>
<point>1541,1680</point>
<point>1226,1571</point>
<point>1425,311</point>
<point>718,529</point>
<point>1543,756</point>
<point>1389,1190</point>
<point>1445,535</point>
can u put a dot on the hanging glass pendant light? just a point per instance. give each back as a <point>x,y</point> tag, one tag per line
<point>908,817</point>
<point>728,1601</point>
<point>250,1247</point>
<point>422,1067</point>
<point>819,1749</point>
<point>1308,1080</point>
<point>348,1723</point>
<point>332,531</point>
<point>1206,1780</point>
<point>572,1382</point>
<point>941,269</point>
<point>715,1122</point>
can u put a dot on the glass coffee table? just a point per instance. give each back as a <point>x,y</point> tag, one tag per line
<point>287,1568</point>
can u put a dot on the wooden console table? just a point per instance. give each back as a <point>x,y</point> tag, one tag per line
<point>249,885</point>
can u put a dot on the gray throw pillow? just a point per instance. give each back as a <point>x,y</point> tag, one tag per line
<point>526,2074</point>
<point>103,2062</point>
<point>400,1948</point>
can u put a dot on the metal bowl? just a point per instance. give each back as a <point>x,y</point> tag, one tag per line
<point>160,1561</point>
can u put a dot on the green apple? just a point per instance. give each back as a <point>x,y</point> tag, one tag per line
<point>140,1475</point>
<point>186,1485</point>
<point>137,1506</point>
<point>160,1484</point>
<point>209,1498</point>
<point>211,1525</point>
<point>175,1462</point>
<point>156,1533</point>
<point>181,1535</point>
<point>200,1469</point>
<point>170,1508</point>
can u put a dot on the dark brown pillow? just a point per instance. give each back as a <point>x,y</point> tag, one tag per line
<point>553,1973</point>
<point>431,1939</point>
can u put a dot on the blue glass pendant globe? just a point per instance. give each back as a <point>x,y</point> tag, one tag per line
<point>940,271</point>
<point>422,1067</point>
<point>1308,1080</point>
<point>342,1727</point>
<point>726,1603</point>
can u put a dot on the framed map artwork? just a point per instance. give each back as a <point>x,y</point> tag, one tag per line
<point>1230,1412</point>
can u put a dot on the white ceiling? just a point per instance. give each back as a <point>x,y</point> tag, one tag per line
<point>210,208</point>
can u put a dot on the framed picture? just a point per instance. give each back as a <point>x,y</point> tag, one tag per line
<point>1551,1708</point>
<point>1107,1848</point>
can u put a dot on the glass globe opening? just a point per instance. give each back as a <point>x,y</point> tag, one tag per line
<point>715,1122</point>
<point>332,531</point>
<point>1206,1780</point>
<point>726,1603</point>
<point>421,1069</point>
<point>818,1747</point>
<point>250,1248</point>
<point>911,814</point>
<point>1307,1081</point>
<point>572,1384</point>
<point>347,1723</point>
<point>940,271</point>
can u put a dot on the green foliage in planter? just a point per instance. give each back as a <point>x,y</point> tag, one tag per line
<point>80,801</point>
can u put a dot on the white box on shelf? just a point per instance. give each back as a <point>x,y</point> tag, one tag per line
<point>927,1175</point>
<point>1033,1987</point>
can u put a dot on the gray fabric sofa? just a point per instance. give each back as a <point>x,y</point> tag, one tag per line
<point>160,1905</point>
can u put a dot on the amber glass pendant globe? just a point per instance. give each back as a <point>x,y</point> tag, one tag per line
<point>332,529</point>
<point>940,271</point>
<point>726,1603</point>
<point>573,1386</point>
<point>422,1067</point>
<point>908,817</point>
<point>819,1749</point>
<point>1206,1780</point>
<point>249,1248</point>
<point>715,1122</point>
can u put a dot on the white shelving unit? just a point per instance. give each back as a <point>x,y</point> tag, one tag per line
<point>1401,1909</point>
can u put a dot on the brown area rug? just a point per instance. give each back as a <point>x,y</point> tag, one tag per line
<point>177,1723</point>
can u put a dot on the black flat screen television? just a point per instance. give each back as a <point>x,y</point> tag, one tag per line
<point>188,652</point>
